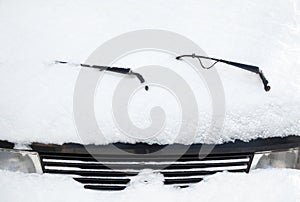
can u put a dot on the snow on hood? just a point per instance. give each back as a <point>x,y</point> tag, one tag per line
<point>36,102</point>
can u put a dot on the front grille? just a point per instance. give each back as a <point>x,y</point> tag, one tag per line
<point>113,172</point>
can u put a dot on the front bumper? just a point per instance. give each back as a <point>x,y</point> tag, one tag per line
<point>112,167</point>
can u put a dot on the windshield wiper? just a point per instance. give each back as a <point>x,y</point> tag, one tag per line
<point>119,70</point>
<point>250,68</point>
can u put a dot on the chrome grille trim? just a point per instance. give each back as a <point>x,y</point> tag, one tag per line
<point>224,168</point>
<point>150,162</point>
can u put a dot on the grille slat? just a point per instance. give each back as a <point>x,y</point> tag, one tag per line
<point>102,181</point>
<point>144,166</point>
<point>124,158</point>
<point>191,173</point>
<point>103,187</point>
<point>114,172</point>
<point>181,181</point>
<point>89,173</point>
<point>46,160</point>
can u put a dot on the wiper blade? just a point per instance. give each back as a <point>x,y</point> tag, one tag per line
<point>119,70</point>
<point>250,68</point>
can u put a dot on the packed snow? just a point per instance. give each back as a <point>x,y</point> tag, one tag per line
<point>36,102</point>
<point>261,185</point>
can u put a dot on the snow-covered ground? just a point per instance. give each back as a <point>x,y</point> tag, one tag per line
<point>261,185</point>
<point>37,98</point>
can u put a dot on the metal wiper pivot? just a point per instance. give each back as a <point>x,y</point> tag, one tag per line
<point>119,70</point>
<point>250,68</point>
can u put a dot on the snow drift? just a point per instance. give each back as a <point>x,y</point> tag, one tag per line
<point>278,185</point>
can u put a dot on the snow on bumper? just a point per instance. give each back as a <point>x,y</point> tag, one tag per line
<point>259,185</point>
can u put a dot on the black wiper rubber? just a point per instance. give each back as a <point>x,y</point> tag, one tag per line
<point>247,67</point>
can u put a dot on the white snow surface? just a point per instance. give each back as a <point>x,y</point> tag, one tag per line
<point>260,185</point>
<point>36,102</point>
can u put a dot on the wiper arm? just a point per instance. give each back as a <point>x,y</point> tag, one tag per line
<point>119,70</point>
<point>250,68</point>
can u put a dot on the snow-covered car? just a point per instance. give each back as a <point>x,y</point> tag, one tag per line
<point>44,156</point>
<point>111,167</point>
